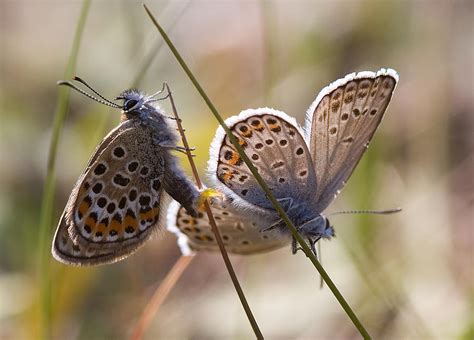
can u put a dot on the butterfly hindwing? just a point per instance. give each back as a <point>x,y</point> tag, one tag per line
<point>66,251</point>
<point>240,234</point>
<point>341,122</point>
<point>115,204</point>
<point>274,144</point>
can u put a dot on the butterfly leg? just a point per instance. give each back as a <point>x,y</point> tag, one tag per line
<point>294,246</point>
<point>173,118</point>
<point>312,245</point>
<point>163,87</point>
<point>176,148</point>
<point>182,148</point>
<point>273,226</point>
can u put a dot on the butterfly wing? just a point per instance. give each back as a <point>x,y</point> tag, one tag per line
<point>66,251</point>
<point>274,143</point>
<point>341,122</point>
<point>240,234</point>
<point>116,202</point>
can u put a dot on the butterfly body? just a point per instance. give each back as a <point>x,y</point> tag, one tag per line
<point>308,221</point>
<point>116,204</point>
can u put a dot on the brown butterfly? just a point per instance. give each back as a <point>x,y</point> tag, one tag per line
<point>118,200</point>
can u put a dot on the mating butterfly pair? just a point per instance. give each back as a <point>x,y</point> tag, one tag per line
<point>305,169</point>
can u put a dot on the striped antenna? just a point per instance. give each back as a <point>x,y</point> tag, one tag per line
<point>373,212</point>
<point>101,98</point>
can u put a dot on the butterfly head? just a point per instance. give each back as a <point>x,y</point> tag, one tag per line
<point>134,101</point>
<point>318,227</point>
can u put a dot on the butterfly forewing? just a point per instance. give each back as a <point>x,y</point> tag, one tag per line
<point>341,122</point>
<point>274,144</point>
<point>240,234</point>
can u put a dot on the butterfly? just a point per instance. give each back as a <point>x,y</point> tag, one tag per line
<point>304,168</point>
<point>240,234</point>
<point>118,200</point>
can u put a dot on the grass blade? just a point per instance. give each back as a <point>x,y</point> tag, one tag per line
<point>47,202</point>
<point>214,228</point>
<point>159,296</point>
<point>261,182</point>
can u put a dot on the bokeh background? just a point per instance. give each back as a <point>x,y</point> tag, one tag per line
<point>407,276</point>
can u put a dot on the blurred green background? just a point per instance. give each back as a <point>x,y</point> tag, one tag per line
<point>407,276</point>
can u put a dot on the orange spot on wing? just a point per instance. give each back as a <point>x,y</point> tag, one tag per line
<point>247,133</point>
<point>275,127</point>
<point>130,221</point>
<point>146,215</point>
<point>116,225</point>
<point>235,159</point>
<point>91,222</point>
<point>81,192</point>
<point>227,176</point>
<point>243,143</point>
<point>258,127</point>
<point>84,207</point>
<point>101,227</point>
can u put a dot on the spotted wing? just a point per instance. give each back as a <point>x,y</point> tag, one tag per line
<point>66,251</point>
<point>240,234</point>
<point>341,122</point>
<point>273,142</point>
<point>115,204</point>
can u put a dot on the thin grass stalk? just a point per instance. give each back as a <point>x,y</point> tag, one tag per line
<point>261,182</point>
<point>214,228</point>
<point>148,60</point>
<point>176,271</point>
<point>47,201</point>
<point>160,296</point>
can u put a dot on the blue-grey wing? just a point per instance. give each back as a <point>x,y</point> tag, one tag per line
<point>274,143</point>
<point>340,124</point>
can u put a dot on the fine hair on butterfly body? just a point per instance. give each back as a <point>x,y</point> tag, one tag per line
<point>304,168</point>
<point>118,200</point>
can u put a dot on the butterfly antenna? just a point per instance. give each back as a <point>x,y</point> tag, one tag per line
<point>374,212</point>
<point>101,100</point>
<point>83,82</point>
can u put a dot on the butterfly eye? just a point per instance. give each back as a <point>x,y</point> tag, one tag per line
<point>130,104</point>
<point>328,225</point>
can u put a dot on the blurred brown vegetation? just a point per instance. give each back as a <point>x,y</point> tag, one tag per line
<point>407,276</point>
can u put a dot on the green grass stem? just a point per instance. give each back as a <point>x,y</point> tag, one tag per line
<point>47,202</point>
<point>213,224</point>
<point>253,170</point>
